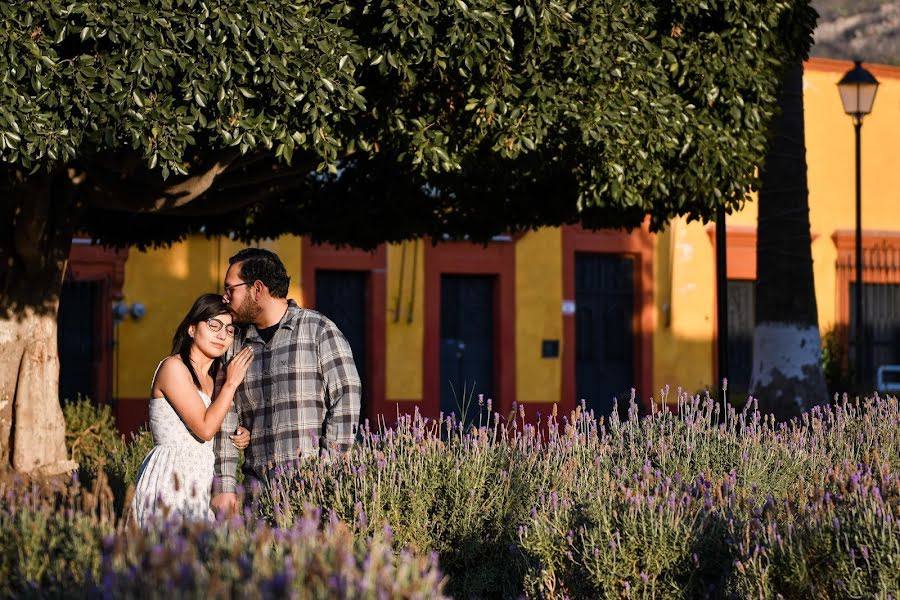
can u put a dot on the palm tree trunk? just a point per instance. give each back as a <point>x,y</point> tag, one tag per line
<point>787,372</point>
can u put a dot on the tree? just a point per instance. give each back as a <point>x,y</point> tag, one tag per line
<point>138,123</point>
<point>787,369</point>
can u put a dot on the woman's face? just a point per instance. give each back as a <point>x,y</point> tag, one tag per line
<point>214,336</point>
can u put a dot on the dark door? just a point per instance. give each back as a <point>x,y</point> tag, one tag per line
<point>741,319</point>
<point>467,343</point>
<point>342,297</point>
<point>77,338</point>
<point>604,329</point>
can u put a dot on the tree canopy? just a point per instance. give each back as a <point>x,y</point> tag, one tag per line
<point>370,121</point>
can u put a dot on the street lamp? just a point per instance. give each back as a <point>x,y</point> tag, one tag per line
<point>857,89</point>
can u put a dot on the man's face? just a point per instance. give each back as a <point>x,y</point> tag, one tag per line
<point>239,296</point>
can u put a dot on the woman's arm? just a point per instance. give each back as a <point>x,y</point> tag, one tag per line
<point>175,383</point>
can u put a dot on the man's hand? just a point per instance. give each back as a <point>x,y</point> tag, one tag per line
<point>241,438</point>
<point>224,505</point>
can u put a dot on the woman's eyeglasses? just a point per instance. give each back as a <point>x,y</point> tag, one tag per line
<point>216,325</point>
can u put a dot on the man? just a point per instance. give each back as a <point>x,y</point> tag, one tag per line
<point>301,396</point>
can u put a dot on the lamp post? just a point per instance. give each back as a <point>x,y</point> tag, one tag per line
<point>721,296</point>
<point>857,89</point>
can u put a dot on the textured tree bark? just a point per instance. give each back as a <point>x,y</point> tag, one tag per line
<point>787,372</point>
<point>32,429</point>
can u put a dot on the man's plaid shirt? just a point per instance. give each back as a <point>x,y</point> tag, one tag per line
<point>300,397</point>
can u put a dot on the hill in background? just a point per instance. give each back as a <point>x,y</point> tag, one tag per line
<point>865,29</point>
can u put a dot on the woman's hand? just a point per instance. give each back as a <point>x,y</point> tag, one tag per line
<point>241,437</point>
<point>237,368</point>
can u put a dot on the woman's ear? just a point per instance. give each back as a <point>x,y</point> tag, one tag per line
<point>191,331</point>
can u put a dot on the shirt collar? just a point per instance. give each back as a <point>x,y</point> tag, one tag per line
<point>288,321</point>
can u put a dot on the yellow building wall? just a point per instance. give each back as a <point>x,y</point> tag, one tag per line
<point>685,258</point>
<point>830,154</point>
<point>682,342</point>
<point>167,281</point>
<point>539,297</point>
<point>288,249</point>
<point>404,337</point>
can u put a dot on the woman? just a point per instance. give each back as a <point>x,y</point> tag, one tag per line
<point>176,477</point>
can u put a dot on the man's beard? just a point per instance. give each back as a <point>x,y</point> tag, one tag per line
<point>247,312</point>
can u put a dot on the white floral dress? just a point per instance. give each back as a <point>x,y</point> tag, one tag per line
<point>176,477</point>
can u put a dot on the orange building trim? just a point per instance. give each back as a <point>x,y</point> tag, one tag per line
<point>640,244</point>
<point>321,257</point>
<point>497,258</point>
<point>740,243</point>
<point>881,264</point>
<point>831,65</point>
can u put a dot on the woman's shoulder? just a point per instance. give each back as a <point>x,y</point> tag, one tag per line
<point>171,367</point>
<point>172,362</point>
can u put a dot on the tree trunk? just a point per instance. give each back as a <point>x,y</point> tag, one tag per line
<point>39,215</point>
<point>787,372</point>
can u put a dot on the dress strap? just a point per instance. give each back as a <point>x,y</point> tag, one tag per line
<point>155,373</point>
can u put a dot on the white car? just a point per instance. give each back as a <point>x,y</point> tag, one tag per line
<point>888,378</point>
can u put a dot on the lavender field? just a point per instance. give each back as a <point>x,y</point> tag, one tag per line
<point>694,500</point>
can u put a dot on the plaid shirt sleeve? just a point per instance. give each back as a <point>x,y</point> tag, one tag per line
<point>343,386</point>
<point>225,479</point>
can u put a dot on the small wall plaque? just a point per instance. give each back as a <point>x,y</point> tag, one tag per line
<point>549,348</point>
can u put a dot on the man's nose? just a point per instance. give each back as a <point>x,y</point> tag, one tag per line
<point>225,299</point>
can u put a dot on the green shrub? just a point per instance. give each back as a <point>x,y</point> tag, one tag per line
<point>249,560</point>
<point>644,536</point>
<point>835,364</point>
<point>50,531</point>
<point>469,495</point>
<point>63,541</point>
<point>841,541</point>
<point>124,465</point>
<point>694,500</point>
<point>91,434</point>
<point>459,496</point>
<point>95,444</point>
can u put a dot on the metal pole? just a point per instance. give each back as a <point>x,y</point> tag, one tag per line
<point>857,126</point>
<point>721,294</point>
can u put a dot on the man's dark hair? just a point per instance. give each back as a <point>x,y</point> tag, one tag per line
<point>265,266</point>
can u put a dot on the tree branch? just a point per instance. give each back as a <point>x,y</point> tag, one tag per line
<point>229,184</point>
<point>112,187</point>
<point>192,188</point>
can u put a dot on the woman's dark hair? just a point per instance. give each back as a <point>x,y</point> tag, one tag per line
<point>265,266</point>
<point>205,307</point>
